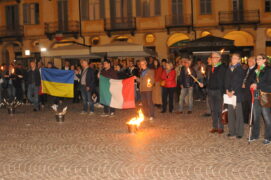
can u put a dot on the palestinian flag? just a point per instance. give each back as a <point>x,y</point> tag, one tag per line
<point>118,94</point>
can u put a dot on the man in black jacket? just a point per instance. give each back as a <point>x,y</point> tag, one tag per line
<point>33,82</point>
<point>87,85</point>
<point>248,80</point>
<point>215,87</point>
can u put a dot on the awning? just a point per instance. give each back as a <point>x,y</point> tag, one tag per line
<point>122,49</point>
<point>72,51</point>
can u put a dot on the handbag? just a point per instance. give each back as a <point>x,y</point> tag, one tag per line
<point>265,99</point>
<point>224,117</point>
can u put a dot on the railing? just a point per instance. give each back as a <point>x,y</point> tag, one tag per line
<point>9,32</point>
<point>239,17</point>
<point>62,27</point>
<point>183,20</point>
<point>120,23</point>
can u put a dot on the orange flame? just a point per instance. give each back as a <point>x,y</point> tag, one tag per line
<point>202,70</point>
<point>2,68</point>
<point>188,70</point>
<point>137,120</point>
<point>12,71</point>
<point>221,51</point>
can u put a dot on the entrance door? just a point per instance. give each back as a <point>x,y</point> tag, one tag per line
<point>12,18</point>
<point>177,12</point>
<point>238,10</point>
<point>121,14</point>
<point>63,15</point>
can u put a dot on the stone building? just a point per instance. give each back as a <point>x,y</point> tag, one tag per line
<point>37,25</point>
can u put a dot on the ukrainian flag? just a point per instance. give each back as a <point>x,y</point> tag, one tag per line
<point>57,82</point>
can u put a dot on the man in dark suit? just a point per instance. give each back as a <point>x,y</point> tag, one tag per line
<point>248,80</point>
<point>87,86</point>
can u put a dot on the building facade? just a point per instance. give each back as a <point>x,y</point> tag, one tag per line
<point>157,24</point>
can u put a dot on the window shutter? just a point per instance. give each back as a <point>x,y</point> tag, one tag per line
<point>157,7</point>
<point>84,9</point>
<point>138,8</point>
<point>102,9</point>
<point>25,10</point>
<point>129,8</point>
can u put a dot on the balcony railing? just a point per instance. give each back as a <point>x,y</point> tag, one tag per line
<point>239,17</point>
<point>120,24</point>
<point>175,21</point>
<point>14,32</point>
<point>68,27</point>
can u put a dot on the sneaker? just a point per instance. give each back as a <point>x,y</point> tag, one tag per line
<point>151,118</point>
<point>91,113</point>
<point>104,115</point>
<point>239,137</point>
<point>83,112</point>
<point>251,139</point>
<point>230,136</point>
<point>266,141</point>
<point>112,114</point>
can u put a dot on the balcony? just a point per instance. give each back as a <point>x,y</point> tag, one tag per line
<point>238,18</point>
<point>122,24</point>
<point>179,22</point>
<point>11,33</point>
<point>69,28</point>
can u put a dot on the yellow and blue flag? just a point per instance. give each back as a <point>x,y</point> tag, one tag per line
<point>57,82</point>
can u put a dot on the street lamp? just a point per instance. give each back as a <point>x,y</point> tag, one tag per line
<point>27,52</point>
<point>43,49</point>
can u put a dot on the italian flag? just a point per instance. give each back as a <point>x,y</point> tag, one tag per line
<point>118,94</point>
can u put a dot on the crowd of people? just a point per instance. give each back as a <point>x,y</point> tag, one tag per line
<point>160,84</point>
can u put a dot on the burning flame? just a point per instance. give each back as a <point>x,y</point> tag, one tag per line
<point>188,70</point>
<point>12,71</point>
<point>202,70</point>
<point>149,83</point>
<point>137,120</point>
<point>2,68</point>
<point>222,51</point>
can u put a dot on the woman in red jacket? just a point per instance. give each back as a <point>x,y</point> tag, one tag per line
<point>169,83</point>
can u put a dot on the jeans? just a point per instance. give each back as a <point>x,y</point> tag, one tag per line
<point>215,101</point>
<point>236,120</point>
<point>167,93</point>
<point>184,93</point>
<point>266,112</point>
<point>86,96</point>
<point>33,95</point>
<point>148,107</point>
<point>11,92</point>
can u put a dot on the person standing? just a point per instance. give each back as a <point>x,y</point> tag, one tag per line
<point>215,88</point>
<point>261,84</point>
<point>33,82</point>
<point>108,72</point>
<point>233,84</point>
<point>187,85</point>
<point>156,91</point>
<point>169,78</point>
<point>87,85</point>
<point>248,80</point>
<point>146,81</point>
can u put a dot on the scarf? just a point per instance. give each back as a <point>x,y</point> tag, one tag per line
<point>214,66</point>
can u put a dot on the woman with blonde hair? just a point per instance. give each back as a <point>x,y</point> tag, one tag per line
<point>169,79</point>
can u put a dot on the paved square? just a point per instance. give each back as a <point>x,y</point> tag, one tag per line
<point>34,147</point>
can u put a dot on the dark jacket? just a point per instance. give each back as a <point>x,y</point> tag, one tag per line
<point>185,79</point>
<point>234,80</point>
<point>249,79</point>
<point>264,81</point>
<point>36,80</point>
<point>111,73</point>
<point>90,78</point>
<point>216,79</point>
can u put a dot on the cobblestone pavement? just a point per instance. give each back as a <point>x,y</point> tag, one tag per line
<point>35,147</point>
